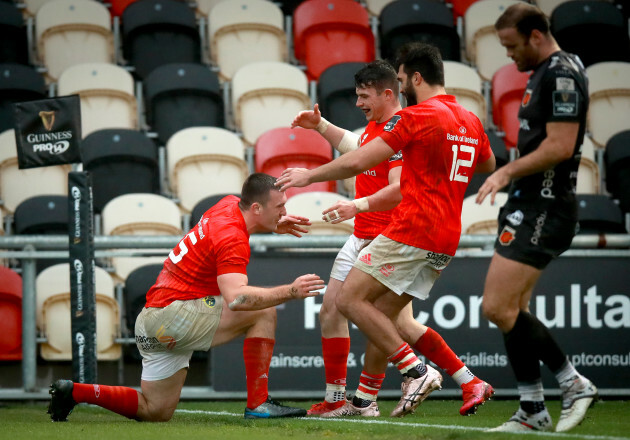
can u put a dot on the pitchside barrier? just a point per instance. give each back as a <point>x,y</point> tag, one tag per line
<point>584,297</point>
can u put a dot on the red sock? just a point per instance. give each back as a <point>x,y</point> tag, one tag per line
<point>369,385</point>
<point>437,351</point>
<point>404,358</point>
<point>335,351</point>
<point>257,355</point>
<point>121,400</point>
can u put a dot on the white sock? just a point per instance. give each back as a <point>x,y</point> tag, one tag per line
<point>566,373</point>
<point>335,393</point>
<point>531,392</point>
<point>463,375</point>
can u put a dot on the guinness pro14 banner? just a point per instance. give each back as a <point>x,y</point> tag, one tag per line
<point>82,283</point>
<point>48,131</point>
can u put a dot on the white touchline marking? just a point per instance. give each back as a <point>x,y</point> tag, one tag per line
<point>416,425</point>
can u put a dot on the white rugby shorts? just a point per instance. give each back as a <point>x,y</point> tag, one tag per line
<point>166,337</point>
<point>347,256</point>
<point>400,267</point>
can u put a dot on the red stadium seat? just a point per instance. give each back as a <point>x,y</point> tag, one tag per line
<point>118,6</point>
<point>508,87</point>
<point>328,32</point>
<point>10,315</point>
<point>460,7</point>
<point>282,148</point>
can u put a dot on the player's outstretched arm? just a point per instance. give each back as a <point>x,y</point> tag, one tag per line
<point>340,139</point>
<point>241,297</point>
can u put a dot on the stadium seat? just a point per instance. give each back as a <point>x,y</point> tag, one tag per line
<point>13,40</point>
<point>311,205</point>
<point>267,95</point>
<point>245,31</point>
<point>205,6</point>
<point>327,32</point>
<point>464,82</point>
<point>483,48</point>
<point>118,7</point>
<point>136,287</point>
<point>10,315</point>
<point>282,148</point>
<point>70,32</point>
<point>482,219</point>
<point>140,214</point>
<point>32,6</point>
<point>18,83</point>
<point>53,314</point>
<point>609,107</point>
<point>508,87</point>
<point>547,6</point>
<point>42,215</point>
<point>427,21</point>
<point>460,7</point>
<point>337,97</point>
<point>594,30</point>
<point>598,214</point>
<point>107,95</point>
<point>203,161</point>
<point>159,32</point>
<point>121,161</point>
<point>179,96</point>
<point>206,203</point>
<point>617,162</point>
<point>375,7</point>
<point>18,185</point>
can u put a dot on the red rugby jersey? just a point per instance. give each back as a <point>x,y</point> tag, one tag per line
<point>441,142</point>
<point>217,245</point>
<point>368,225</point>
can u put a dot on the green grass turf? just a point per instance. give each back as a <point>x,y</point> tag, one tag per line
<point>435,419</point>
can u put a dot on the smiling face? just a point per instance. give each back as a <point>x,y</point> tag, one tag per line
<point>371,103</point>
<point>519,48</point>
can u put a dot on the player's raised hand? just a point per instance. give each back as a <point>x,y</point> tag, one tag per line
<point>307,118</point>
<point>492,185</point>
<point>306,286</point>
<point>293,177</point>
<point>340,211</point>
<point>291,224</point>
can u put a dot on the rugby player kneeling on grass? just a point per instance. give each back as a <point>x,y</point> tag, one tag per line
<point>201,299</point>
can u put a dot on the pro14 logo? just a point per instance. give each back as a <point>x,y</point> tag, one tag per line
<point>57,148</point>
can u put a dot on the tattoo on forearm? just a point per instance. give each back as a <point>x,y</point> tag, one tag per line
<point>293,291</point>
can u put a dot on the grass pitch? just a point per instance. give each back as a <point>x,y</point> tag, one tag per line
<point>434,419</point>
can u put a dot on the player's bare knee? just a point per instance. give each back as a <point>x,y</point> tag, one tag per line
<point>343,302</point>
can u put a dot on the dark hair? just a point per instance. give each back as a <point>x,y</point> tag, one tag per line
<point>423,58</point>
<point>378,74</point>
<point>256,188</point>
<point>525,18</point>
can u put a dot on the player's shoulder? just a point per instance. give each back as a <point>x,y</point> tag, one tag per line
<point>565,65</point>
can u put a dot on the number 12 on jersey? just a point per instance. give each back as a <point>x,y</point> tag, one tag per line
<point>458,162</point>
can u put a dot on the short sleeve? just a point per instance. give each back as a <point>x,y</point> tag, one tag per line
<point>232,252</point>
<point>567,101</point>
<point>485,151</point>
<point>396,134</point>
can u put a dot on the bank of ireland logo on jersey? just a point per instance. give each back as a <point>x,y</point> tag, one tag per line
<point>391,123</point>
<point>507,236</point>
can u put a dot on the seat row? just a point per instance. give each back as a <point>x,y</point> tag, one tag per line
<point>323,33</point>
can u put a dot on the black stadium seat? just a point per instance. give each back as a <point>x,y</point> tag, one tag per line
<point>42,215</point>
<point>204,204</point>
<point>429,21</point>
<point>13,40</point>
<point>183,95</point>
<point>598,214</point>
<point>337,96</point>
<point>617,160</point>
<point>121,161</point>
<point>159,32</point>
<point>594,30</point>
<point>17,83</point>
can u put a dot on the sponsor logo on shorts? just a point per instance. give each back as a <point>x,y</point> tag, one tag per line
<point>507,236</point>
<point>516,218</point>
<point>210,301</point>
<point>169,341</point>
<point>366,258</point>
<point>438,261</point>
<point>387,270</point>
<point>540,222</point>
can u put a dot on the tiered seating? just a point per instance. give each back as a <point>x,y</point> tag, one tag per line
<point>464,82</point>
<point>18,83</point>
<point>508,88</point>
<point>13,40</point>
<point>337,98</point>
<point>598,214</point>
<point>206,203</point>
<point>10,315</point>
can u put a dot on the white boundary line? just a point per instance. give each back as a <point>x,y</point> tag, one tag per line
<point>366,421</point>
